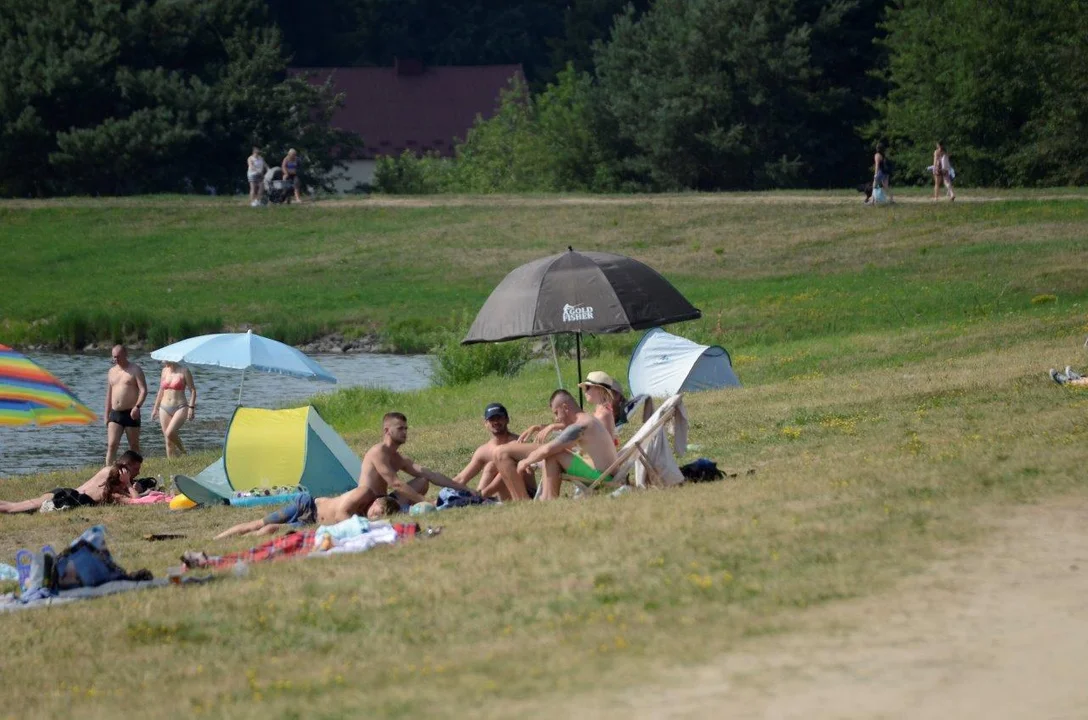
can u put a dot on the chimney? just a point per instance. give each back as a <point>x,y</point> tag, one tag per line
<point>408,67</point>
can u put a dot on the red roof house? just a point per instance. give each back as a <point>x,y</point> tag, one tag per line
<point>411,107</point>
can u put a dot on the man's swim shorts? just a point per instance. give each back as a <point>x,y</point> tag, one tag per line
<point>300,511</point>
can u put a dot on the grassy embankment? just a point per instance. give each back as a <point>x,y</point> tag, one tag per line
<point>894,364</point>
<point>161,269</point>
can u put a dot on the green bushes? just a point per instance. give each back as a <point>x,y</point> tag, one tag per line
<point>412,335</point>
<point>293,331</point>
<point>546,143</point>
<point>457,364</point>
<point>407,174</point>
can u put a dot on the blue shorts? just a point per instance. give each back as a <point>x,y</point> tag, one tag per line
<point>300,511</point>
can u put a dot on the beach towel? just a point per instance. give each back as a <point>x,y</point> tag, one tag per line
<point>659,449</point>
<point>285,546</point>
<point>10,602</point>
<point>302,543</point>
<point>379,534</point>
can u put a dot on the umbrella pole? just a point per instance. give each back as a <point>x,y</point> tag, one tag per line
<point>578,352</point>
<point>240,386</point>
<point>555,358</point>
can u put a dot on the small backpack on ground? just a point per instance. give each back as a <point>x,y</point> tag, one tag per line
<point>702,470</point>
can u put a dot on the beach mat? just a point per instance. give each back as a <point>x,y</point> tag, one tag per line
<point>10,602</point>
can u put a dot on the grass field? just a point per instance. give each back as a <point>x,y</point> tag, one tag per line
<point>763,268</point>
<point>895,392</point>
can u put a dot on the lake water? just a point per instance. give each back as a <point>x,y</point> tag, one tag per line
<point>33,449</point>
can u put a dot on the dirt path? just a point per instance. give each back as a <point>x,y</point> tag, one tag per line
<point>432,201</point>
<point>999,633</point>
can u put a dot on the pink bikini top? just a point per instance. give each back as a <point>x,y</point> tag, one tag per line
<point>177,383</point>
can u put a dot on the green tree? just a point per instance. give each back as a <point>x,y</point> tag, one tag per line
<point>471,32</point>
<point>739,94</point>
<point>318,34</point>
<point>586,23</point>
<point>542,143</point>
<point>1054,151</point>
<point>710,93</point>
<point>1002,83</point>
<point>126,96</point>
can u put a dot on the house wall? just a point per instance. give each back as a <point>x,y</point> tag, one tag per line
<point>358,171</point>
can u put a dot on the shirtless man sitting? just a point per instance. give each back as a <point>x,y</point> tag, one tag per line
<point>108,485</point>
<point>381,464</point>
<point>497,422</point>
<point>578,428</point>
<point>126,389</point>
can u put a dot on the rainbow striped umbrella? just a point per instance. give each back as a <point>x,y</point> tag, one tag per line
<point>30,394</point>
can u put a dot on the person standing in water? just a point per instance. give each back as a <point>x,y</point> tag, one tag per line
<point>172,408</point>
<point>126,390</point>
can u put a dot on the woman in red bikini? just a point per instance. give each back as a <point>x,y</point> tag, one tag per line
<point>172,408</point>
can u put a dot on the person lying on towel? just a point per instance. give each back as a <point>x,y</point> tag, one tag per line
<point>496,422</point>
<point>577,428</point>
<point>372,498</point>
<point>108,485</point>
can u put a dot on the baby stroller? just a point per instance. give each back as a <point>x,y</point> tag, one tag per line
<point>276,189</point>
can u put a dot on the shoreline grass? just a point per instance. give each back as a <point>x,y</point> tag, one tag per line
<point>879,433</point>
<point>762,269</point>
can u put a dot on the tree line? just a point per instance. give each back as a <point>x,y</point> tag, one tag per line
<point>135,96</point>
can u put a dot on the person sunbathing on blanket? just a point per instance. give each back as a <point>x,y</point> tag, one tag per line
<point>381,464</point>
<point>110,484</point>
<point>578,428</point>
<point>497,422</point>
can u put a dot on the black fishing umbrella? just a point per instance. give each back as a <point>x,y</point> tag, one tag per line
<point>578,292</point>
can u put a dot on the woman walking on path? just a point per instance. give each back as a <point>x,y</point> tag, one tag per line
<point>171,406</point>
<point>881,174</point>
<point>255,174</point>
<point>942,171</point>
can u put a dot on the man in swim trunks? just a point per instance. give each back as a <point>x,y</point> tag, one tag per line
<point>497,422</point>
<point>108,484</point>
<point>126,389</point>
<point>379,472</point>
<point>580,429</point>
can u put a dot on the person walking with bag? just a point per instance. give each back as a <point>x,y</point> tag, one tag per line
<point>942,171</point>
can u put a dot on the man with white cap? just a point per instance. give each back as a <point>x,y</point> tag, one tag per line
<point>497,422</point>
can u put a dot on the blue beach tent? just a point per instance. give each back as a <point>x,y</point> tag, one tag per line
<point>664,364</point>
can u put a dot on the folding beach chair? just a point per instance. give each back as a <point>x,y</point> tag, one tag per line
<point>649,452</point>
